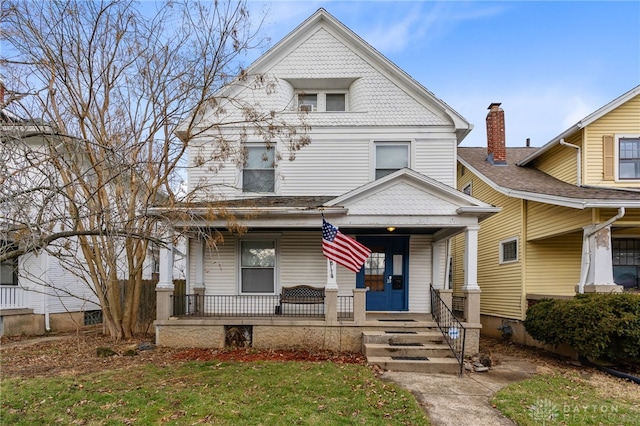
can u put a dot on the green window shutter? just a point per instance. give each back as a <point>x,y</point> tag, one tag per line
<point>608,157</point>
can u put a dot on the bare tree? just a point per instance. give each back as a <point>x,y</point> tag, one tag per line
<point>107,87</point>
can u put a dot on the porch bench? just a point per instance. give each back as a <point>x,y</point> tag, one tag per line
<point>301,294</point>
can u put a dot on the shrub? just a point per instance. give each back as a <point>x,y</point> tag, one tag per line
<point>599,326</point>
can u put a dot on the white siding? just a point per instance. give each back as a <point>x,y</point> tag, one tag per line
<point>340,156</point>
<point>419,273</point>
<point>50,285</point>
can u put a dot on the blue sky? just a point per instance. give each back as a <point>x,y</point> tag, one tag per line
<point>549,63</point>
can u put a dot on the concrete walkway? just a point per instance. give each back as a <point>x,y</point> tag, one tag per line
<point>451,400</point>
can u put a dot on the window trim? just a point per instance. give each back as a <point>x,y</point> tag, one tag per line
<point>616,162</point>
<point>276,267</point>
<point>321,100</point>
<point>409,144</point>
<point>501,246</point>
<point>243,168</point>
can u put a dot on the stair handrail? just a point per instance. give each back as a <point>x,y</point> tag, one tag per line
<point>451,328</point>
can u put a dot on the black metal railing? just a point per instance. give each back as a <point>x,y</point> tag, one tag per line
<point>457,306</point>
<point>451,328</point>
<point>345,307</point>
<point>195,305</point>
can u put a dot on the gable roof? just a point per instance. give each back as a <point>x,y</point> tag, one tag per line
<point>390,194</point>
<point>323,19</point>
<point>529,183</point>
<point>582,123</point>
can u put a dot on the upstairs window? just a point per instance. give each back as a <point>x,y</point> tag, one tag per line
<point>467,189</point>
<point>308,102</point>
<point>322,101</point>
<point>335,102</point>
<point>391,157</point>
<point>629,158</point>
<point>258,174</point>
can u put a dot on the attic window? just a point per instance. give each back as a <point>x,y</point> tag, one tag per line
<point>322,101</point>
<point>308,102</point>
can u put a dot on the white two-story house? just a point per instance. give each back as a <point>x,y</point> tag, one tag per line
<point>381,166</point>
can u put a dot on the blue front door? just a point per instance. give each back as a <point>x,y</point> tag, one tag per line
<point>385,273</point>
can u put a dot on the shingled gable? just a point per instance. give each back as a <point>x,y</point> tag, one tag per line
<point>322,20</point>
<point>387,197</point>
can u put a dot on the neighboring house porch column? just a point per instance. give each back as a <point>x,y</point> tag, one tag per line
<point>596,275</point>
<point>164,288</point>
<point>470,288</point>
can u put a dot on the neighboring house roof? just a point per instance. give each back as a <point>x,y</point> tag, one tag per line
<point>581,124</point>
<point>528,183</point>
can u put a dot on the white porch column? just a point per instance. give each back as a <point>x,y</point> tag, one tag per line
<point>332,281</point>
<point>166,267</point>
<point>470,288</point>
<point>198,250</point>
<point>471,258</point>
<point>597,274</point>
<point>164,288</point>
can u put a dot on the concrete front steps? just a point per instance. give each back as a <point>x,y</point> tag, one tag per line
<point>410,351</point>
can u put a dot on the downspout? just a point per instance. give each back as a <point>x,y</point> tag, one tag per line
<point>45,293</point>
<point>586,249</point>
<point>578,162</point>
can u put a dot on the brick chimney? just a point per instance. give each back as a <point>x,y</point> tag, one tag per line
<point>496,140</point>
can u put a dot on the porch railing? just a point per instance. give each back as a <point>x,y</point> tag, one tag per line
<point>457,305</point>
<point>451,328</point>
<point>345,307</point>
<point>197,305</point>
<point>12,297</point>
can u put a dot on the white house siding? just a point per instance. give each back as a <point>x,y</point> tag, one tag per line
<point>300,261</point>
<point>330,165</point>
<point>419,273</point>
<point>340,155</point>
<point>50,284</point>
<point>219,267</point>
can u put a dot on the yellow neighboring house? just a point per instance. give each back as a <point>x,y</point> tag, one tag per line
<point>570,219</point>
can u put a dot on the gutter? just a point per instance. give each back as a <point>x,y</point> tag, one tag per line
<point>586,248</point>
<point>578,162</point>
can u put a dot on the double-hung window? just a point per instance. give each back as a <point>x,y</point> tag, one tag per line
<point>629,157</point>
<point>322,101</point>
<point>258,266</point>
<point>390,156</point>
<point>8,268</point>
<point>626,262</point>
<point>258,174</point>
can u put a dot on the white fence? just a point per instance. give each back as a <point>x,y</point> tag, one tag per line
<point>12,297</point>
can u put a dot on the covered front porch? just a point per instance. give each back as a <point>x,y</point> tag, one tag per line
<point>405,219</point>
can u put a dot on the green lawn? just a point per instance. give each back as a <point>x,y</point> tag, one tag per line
<point>229,393</point>
<point>567,400</point>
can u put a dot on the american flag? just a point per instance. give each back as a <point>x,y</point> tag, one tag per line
<point>341,249</point>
